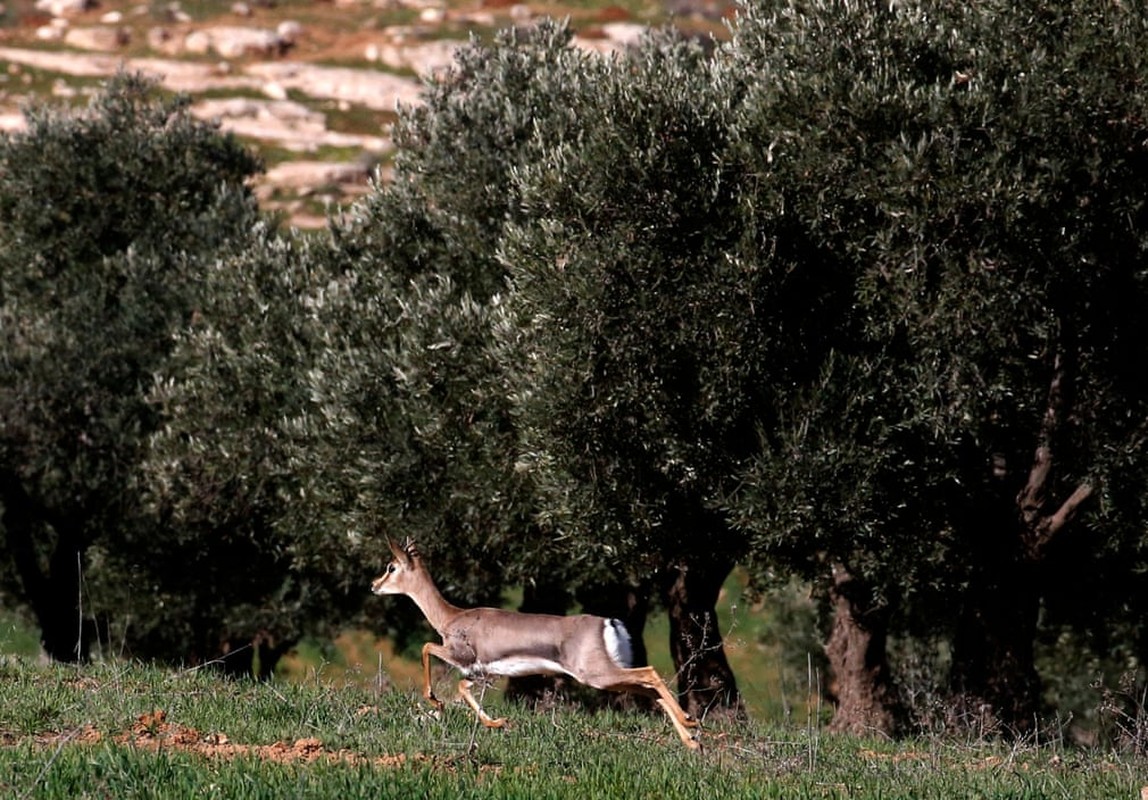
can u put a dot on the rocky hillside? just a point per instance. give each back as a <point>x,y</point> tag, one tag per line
<point>311,84</point>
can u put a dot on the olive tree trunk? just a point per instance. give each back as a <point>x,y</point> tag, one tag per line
<point>52,589</point>
<point>706,683</point>
<point>864,702</point>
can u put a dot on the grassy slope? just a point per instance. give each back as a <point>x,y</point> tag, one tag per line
<point>332,35</point>
<point>71,733</point>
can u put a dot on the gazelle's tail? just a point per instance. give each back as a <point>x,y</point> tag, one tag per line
<point>618,643</point>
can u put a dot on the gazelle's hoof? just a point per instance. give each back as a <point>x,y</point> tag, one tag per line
<point>435,710</point>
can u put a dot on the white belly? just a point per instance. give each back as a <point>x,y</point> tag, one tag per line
<point>515,666</point>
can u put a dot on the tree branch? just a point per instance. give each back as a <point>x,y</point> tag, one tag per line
<point>1051,525</point>
<point>1068,508</point>
<point>1031,499</point>
<point>1041,527</point>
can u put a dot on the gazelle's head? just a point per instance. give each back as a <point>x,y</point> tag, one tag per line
<point>401,574</point>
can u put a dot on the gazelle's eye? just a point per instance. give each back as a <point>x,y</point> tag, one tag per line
<point>390,568</point>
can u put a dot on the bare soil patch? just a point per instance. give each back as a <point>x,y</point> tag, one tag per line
<point>154,732</point>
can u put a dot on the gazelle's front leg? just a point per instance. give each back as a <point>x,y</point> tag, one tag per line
<point>464,692</point>
<point>429,649</point>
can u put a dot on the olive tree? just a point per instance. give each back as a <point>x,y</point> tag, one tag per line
<point>107,217</point>
<point>466,200</point>
<point>253,557</point>
<point>431,235</point>
<point>622,341</point>
<point>977,171</point>
<point>338,390</point>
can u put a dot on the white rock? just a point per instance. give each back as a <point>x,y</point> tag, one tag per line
<point>293,125</point>
<point>104,38</point>
<point>62,8</point>
<point>238,42</point>
<point>12,122</point>
<point>289,31</point>
<point>243,107</point>
<point>627,33</point>
<point>274,91</point>
<point>233,41</point>
<point>480,18</point>
<point>421,58</point>
<point>313,173</point>
<point>375,90</point>
<point>49,33</point>
<point>197,42</point>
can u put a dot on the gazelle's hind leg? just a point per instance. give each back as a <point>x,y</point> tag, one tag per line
<point>464,692</point>
<point>686,728</point>
<point>646,681</point>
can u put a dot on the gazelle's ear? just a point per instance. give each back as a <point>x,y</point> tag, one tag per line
<point>398,553</point>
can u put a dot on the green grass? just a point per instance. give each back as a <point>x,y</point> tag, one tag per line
<point>77,733</point>
<point>16,638</point>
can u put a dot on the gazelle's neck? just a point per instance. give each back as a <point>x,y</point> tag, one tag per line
<point>431,602</point>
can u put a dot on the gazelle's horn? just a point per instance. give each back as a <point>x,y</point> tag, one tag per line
<point>411,550</point>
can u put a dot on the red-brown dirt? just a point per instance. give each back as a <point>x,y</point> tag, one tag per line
<point>154,732</point>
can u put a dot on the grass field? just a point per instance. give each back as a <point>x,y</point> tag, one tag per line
<point>129,731</point>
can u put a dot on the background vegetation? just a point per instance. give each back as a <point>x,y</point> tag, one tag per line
<point>852,300</point>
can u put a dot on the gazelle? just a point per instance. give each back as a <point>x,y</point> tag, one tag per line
<point>491,642</point>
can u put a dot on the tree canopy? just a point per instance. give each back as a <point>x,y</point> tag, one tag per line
<point>988,212</point>
<point>107,217</point>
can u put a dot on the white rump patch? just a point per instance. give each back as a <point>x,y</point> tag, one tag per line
<point>618,643</point>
